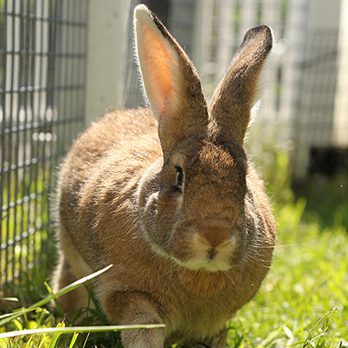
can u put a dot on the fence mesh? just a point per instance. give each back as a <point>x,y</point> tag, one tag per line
<point>42,74</point>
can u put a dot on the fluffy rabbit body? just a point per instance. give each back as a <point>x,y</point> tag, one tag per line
<point>168,196</point>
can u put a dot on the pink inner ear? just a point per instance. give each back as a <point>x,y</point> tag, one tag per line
<point>157,68</point>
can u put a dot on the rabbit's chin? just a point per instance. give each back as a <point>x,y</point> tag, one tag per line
<point>198,262</point>
<point>210,266</point>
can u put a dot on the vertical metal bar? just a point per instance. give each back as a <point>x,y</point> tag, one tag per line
<point>68,81</point>
<point>73,48</point>
<point>27,132</point>
<point>26,58</point>
<point>53,71</point>
<point>50,103</point>
<point>31,155</point>
<point>8,273</point>
<point>44,189</point>
<point>84,51</point>
<point>3,142</point>
<point>32,240</point>
<point>38,176</point>
<point>16,135</point>
<point>52,47</point>
<point>74,67</point>
<point>79,107</point>
<point>61,101</point>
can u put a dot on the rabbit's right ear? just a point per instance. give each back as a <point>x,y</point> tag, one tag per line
<point>234,97</point>
<point>170,80</point>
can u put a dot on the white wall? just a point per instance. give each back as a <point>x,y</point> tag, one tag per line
<point>107,40</point>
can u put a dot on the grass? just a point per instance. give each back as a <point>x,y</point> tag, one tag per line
<point>42,336</point>
<point>24,221</point>
<point>303,301</point>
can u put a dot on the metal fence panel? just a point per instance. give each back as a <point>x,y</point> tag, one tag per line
<point>42,74</point>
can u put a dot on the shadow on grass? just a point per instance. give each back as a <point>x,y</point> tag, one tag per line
<point>327,200</point>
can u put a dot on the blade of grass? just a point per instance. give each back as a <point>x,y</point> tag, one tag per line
<point>73,340</point>
<point>318,322</point>
<point>42,342</point>
<point>323,334</point>
<point>79,329</point>
<point>9,299</point>
<point>54,340</point>
<point>270,338</point>
<point>56,336</point>
<point>29,343</point>
<point>86,339</point>
<point>6,318</point>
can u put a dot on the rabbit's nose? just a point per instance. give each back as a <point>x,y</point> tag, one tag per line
<point>215,234</point>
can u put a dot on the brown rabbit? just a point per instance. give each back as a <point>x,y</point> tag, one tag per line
<point>168,196</point>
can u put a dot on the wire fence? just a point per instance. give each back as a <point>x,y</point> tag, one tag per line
<point>42,73</point>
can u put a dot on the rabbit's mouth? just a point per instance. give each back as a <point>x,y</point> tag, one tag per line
<point>210,257</point>
<point>202,255</point>
<point>210,265</point>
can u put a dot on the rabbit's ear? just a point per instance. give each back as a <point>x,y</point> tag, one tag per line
<point>170,80</point>
<point>235,95</point>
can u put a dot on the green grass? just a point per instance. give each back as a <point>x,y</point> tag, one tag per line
<point>40,334</point>
<point>27,195</point>
<point>303,301</point>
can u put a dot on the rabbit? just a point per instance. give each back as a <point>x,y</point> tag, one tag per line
<point>167,195</point>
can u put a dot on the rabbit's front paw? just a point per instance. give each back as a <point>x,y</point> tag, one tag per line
<point>152,338</point>
<point>135,308</point>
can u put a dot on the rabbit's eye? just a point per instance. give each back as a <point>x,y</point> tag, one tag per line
<point>179,179</point>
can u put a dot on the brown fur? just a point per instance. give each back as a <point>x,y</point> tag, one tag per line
<point>117,205</point>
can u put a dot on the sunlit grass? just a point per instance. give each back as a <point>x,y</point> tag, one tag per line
<point>24,222</point>
<point>303,301</point>
<point>43,336</point>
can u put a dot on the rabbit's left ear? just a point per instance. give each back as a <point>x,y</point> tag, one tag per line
<point>170,80</point>
<point>235,95</point>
